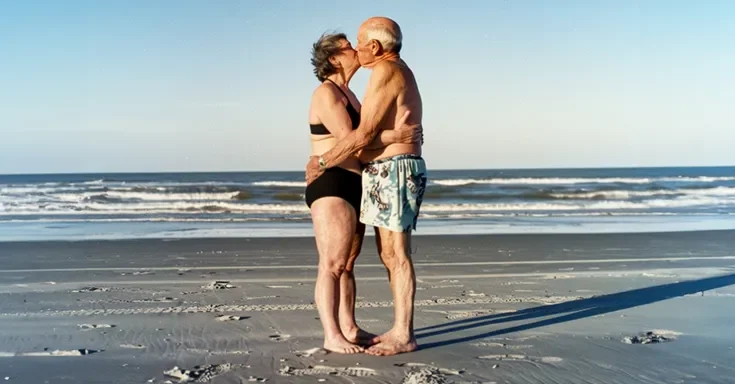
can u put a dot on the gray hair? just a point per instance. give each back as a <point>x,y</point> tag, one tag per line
<point>391,42</point>
<point>327,46</point>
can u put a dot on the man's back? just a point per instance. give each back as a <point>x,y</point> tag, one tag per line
<point>405,92</point>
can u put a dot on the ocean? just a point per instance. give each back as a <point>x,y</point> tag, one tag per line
<point>75,206</point>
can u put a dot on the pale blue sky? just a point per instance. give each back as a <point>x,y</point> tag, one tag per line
<point>107,86</point>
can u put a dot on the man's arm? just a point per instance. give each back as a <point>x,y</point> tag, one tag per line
<point>378,99</point>
<point>383,139</point>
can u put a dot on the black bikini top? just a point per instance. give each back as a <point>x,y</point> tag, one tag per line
<point>320,129</point>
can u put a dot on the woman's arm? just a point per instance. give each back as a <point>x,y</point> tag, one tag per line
<point>332,113</point>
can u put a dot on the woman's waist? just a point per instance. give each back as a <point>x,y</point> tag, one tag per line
<point>351,163</point>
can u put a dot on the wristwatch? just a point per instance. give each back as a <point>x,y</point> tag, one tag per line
<point>322,164</point>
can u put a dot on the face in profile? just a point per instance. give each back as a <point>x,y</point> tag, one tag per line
<point>347,57</point>
<point>364,50</point>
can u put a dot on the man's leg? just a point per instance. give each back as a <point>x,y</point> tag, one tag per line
<point>348,292</point>
<point>395,253</point>
<point>395,190</point>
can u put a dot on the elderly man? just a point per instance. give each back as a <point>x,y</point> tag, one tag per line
<point>394,177</point>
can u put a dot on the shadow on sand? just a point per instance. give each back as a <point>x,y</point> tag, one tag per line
<point>569,311</point>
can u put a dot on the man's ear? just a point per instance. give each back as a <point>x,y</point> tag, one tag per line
<point>375,47</point>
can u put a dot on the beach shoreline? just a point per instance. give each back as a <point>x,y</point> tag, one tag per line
<point>532,308</point>
<point>61,230</point>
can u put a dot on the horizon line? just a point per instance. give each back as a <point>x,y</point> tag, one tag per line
<point>434,169</point>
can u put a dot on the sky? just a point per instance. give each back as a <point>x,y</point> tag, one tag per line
<point>147,86</point>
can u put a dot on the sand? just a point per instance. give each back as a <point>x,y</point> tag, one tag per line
<point>616,308</point>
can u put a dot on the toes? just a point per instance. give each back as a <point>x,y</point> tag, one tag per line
<point>375,351</point>
<point>353,350</point>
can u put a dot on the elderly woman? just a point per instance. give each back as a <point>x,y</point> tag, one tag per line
<point>334,197</point>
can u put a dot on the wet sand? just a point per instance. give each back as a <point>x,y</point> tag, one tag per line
<point>586,308</point>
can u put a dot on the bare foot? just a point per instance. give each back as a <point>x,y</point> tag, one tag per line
<point>358,336</point>
<point>340,345</point>
<point>392,343</point>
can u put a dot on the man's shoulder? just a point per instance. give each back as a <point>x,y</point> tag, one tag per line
<point>385,71</point>
<point>387,66</point>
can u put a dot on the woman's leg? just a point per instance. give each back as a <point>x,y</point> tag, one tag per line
<point>348,293</point>
<point>334,228</point>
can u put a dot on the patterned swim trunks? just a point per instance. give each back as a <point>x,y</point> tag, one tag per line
<point>392,191</point>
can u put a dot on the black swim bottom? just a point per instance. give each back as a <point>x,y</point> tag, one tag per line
<point>337,182</point>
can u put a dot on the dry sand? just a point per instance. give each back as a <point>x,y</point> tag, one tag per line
<point>637,308</point>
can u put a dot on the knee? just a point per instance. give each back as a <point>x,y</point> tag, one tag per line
<point>388,257</point>
<point>333,267</point>
<point>399,258</point>
<point>350,265</point>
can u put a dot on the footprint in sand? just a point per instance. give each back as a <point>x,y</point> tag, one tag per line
<point>223,353</point>
<point>515,282</point>
<point>160,300</point>
<point>322,370</point>
<point>279,338</point>
<point>490,344</point>
<point>517,347</point>
<point>311,352</point>
<point>138,273</point>
<point>557,277</point>
<point>425,374</point>
<point>651,337</point>
<point>231,318</point>
<point>95,326</point>
<point>509,357</point>
<point>132,346</point>
<point>91,289</point>
<point>199,373</point>
<point>219,284</point>
<point>471,293</point>
<point>454,315</point>
<point>444,371</point>
<point>261,297</point>
<point>72,352</point>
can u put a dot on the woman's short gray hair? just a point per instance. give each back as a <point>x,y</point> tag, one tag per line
<point>328,45</point>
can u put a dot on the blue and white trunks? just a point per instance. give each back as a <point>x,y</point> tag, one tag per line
<point>392,191</point>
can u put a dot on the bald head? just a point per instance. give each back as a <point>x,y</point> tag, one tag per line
<point>384,30</point>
